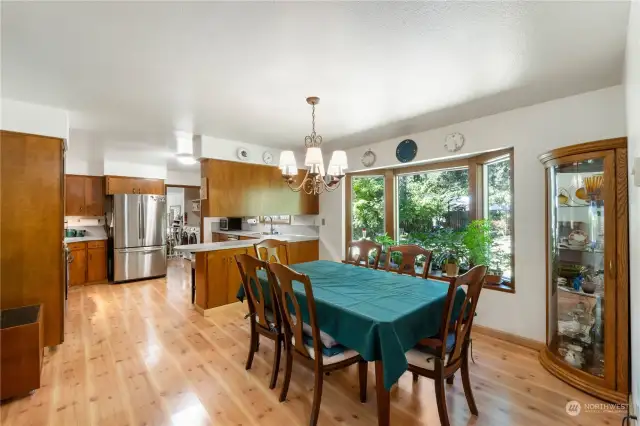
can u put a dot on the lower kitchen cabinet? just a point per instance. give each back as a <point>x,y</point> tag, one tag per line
<point>77,264</point>
<point>87,263</point>
<point>218,277</point>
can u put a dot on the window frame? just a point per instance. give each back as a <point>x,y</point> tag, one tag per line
<point>475,166</point>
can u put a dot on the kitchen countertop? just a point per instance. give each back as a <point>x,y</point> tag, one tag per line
<point>225,245</point>
<point>83,239</point>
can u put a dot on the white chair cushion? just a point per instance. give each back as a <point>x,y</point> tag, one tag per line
<point>328,360</point>
<point>422,359</point>
<point>326,339</point>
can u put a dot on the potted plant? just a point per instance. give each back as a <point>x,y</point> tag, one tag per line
<point>494,273</point>
<point>453,251</point>
<point>385,241</point>
<point>479,241</point>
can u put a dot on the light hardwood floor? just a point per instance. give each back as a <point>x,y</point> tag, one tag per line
<point>138,354</point>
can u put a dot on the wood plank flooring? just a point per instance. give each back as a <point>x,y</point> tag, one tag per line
<point>138,354</point>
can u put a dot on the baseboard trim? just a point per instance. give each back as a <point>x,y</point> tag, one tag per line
<point>209,312</point>
<point>508,337</point>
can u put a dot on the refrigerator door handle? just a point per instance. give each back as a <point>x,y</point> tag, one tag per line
<point>140,220</point>
<point>141,250</point>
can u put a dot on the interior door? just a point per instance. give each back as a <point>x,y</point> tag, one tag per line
<point>153,220</point>
<point>127,221</point>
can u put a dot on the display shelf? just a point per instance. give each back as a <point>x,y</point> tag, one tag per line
<point>587,343</point>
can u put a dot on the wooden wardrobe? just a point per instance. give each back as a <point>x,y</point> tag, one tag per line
<point>32,260</point>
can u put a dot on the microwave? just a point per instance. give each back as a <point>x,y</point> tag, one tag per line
<point>231,224</point>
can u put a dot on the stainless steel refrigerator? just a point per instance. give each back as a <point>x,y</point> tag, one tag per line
<point>139,236</point>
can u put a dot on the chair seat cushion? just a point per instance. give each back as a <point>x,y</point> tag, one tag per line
<point>451,341</point>
<point>270,319</point>
<point>327,340</point>
<point>419,357</point>
<point>338,357</point>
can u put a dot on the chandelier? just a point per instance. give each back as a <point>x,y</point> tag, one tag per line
<point>315,181</point>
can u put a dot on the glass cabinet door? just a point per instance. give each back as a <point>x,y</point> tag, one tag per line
<point>581,278</point>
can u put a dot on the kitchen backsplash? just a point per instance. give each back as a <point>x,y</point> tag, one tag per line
<point>81,222</point>
<point>300,225</point>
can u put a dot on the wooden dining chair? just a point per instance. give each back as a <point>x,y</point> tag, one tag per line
<point>264,314</point>
<point>408,263</point>
<point>295,346</point>
<point>270,250</point>
<point>358,253</point>
<point>440,357</point>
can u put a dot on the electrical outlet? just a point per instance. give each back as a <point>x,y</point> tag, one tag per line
<point>323,222</point>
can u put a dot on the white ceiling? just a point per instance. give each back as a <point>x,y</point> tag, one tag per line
<point>242,70</point>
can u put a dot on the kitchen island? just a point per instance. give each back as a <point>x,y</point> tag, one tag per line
<point>217,278</point>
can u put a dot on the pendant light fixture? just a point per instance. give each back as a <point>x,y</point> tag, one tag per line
<point>316,180</point>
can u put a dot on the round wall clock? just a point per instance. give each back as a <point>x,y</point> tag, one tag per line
<point>267,157</point>
<point>368,158</point>
<point>406,150</point>
<point>454,142</point>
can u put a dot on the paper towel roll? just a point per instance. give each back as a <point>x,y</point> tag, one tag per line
<point>252,221</point>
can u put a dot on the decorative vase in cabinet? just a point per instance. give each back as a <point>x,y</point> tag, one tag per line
<point>587,248</point>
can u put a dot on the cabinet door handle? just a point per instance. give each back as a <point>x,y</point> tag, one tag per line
<point>612,271</point>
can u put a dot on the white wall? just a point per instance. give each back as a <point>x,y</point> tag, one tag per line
<point>122,167</point>
<point>175,177</point>
<point>632,86</point>
<point>23,117</point>
<point>225,149</point>
<point>531,131</point>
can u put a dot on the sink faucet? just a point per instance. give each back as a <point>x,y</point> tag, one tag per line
<point>271,219</point>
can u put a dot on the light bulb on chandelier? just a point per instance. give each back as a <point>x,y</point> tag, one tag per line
<point>315,180</point>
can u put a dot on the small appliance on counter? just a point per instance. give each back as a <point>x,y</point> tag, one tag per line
<point>231,224</point>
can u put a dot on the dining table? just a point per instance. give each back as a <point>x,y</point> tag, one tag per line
<point>379,314</point>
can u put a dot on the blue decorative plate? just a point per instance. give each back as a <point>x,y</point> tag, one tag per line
<point>406,150</point>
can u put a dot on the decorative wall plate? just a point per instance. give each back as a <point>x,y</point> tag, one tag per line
<point>454,142</point>
<point>406,150</point>
<point>267,157</point>
<point>368,158</point>
<point>243,154</point>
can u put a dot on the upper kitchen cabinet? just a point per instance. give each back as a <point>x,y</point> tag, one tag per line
<point>132,185</point>
<point>244,189</point>
<point>84,195</point>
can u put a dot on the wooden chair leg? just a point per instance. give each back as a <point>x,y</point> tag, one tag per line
<point>276,364</point>
<point>287,372</point>
<point>416,376</point>
<point>450,379</point>
<point>252,345</point>
<point>362,376</point>
<point>466,384</point>
<point>317,397</point>
<point>471,349</point>
<point>441,398</point>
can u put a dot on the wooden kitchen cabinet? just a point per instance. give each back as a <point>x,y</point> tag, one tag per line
<point>84,195</point>
<point>89,262</point>
<point>97,264</point>
<point>303,251</point>
<point>218,277</point>
<point>78,265</point>
<point>132,185</point>
<point>243,189</point>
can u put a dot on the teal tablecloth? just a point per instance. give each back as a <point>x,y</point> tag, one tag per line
<point>377,313</point>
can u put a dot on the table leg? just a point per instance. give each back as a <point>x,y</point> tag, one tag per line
<point>382,395</point>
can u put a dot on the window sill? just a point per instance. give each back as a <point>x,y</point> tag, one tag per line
<point>500,287</point>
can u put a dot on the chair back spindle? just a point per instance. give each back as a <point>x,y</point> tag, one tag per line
<point>358,253</point>
<point>461,328</point>
<point>258,304</point>
<point>293,321</point>
<point>267,250</point>
<point>408,263</point>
